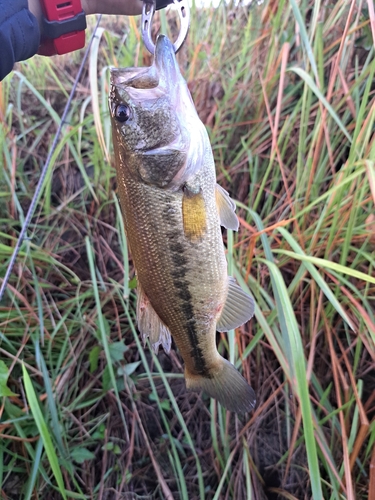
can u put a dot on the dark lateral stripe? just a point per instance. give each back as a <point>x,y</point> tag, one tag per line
<point>181,283</point>
<point>196,352</point>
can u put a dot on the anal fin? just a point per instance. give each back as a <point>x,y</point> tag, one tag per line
<point>150,325</point>
<point>226,208</point>
<point>237,310</point>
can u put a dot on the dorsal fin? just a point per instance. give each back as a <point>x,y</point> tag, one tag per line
<point>237,310</point>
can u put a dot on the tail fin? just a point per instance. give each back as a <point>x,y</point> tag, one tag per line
<point>227,385</point>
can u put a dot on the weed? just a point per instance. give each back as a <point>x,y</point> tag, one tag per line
<point>286,92</point>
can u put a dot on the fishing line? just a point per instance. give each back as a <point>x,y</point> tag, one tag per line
<point>45,168</point>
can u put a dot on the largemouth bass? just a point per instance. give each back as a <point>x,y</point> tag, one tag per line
<point>173,209</point>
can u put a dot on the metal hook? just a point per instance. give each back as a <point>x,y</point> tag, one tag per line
<point>148,12</point>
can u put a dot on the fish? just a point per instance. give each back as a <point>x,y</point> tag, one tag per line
<point>173,211</point>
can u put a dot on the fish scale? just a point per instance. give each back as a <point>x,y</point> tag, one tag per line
<point>156,263</point>
<point>173,210</point>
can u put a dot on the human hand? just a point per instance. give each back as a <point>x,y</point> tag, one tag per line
<point>125,7</point>
<point>114,7</point>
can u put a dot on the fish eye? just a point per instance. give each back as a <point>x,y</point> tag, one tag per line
<point>122,113</point>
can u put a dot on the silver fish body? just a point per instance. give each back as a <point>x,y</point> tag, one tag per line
<point>173,210</point>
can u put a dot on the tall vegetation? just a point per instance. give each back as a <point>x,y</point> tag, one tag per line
<point>286,92</point>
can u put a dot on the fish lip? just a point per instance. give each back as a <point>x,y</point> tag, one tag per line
<point>163,46</point>
<point>166,62</point>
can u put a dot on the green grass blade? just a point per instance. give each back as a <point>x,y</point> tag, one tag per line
<point>30,485</point>
<point>298,357</point>
<point>310,82</point>
<point>124,246</point>
<point>317,277</point>
<point>44,431</point>
<point>103,333</point>
<point>328,264</point>
<point>304,36</point>
<point>231,334</point>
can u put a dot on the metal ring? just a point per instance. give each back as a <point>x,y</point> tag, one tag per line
<point>148,12</point>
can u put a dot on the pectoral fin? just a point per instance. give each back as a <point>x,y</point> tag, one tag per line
<point>150,325</point>
<point>238,308</point>
<point>193,214</point>
<point>226,208</point>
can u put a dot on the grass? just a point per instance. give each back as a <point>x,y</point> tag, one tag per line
<point>286,92</point>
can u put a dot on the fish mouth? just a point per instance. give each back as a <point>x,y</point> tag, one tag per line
<point>166,62</point>
<point>167,68</point>
<point>124,76</point>
<point>164,72</point>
